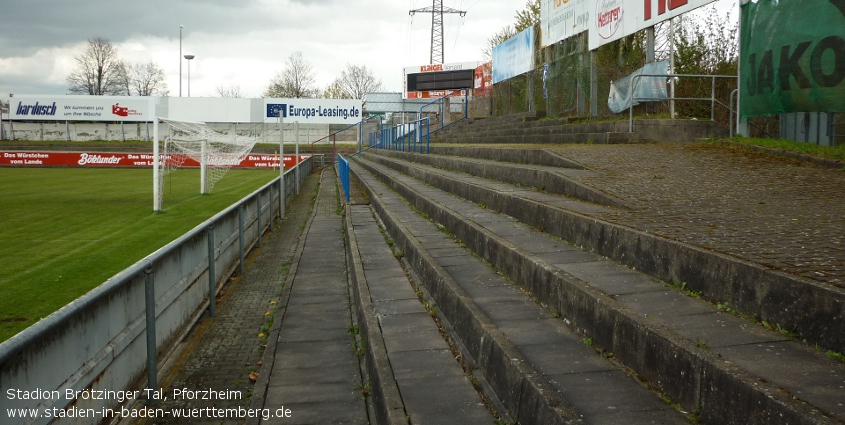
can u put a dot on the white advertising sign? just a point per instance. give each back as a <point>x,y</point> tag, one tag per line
<point>514,56</point>
<point>614,19</point>
<point>81,108</point>
<point>314,111</point>
<point>562,19</point>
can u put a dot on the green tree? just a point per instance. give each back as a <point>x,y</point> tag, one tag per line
<point>529,16</point>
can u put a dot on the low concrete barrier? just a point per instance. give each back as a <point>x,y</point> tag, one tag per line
<point>90,357</point>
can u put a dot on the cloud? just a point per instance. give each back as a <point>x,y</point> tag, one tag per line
<point>243,43</point>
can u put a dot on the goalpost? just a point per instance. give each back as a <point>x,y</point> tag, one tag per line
<point>195,144</point>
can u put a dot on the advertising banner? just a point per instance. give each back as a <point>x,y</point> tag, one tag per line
<point>115,159</point>
<point>314,111</point>
<point>514,56</point>
<point>792,57</point>
<point>613,19</point>
<point>646,89</point>
<point>483,81</point>
<point>562,19</point>
<point>81,108</point>
<point>434,94</point>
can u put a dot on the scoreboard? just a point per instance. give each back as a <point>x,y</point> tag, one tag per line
<point>428,81</point>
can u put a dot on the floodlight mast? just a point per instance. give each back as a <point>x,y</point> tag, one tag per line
<point>437,10</point>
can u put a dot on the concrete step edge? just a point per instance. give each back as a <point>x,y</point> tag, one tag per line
<point>605,320</point>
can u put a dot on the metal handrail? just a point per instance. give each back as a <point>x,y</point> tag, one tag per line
<point>443,115</point>
<point>407,137</point>
<point>712,98</point>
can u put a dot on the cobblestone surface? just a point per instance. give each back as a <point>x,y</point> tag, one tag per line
<point>223,351</point>
<point>781,213</point>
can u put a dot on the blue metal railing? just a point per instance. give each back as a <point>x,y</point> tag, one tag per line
<point>343,173</point>
<point>441,101</point>
<point>414,136</point>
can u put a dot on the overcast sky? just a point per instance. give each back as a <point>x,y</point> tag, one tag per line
<point>243,42</point>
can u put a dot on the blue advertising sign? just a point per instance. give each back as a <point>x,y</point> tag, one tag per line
<point>514,56</point>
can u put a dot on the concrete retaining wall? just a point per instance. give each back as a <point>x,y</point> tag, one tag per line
<point>84,132</point>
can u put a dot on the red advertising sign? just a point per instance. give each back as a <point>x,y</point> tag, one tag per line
<point>434,94</point>
<point>483,79</point>
<point>115,159</point>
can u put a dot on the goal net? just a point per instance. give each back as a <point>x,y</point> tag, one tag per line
<point>194,144</point>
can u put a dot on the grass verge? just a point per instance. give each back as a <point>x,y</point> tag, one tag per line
<point>67,230</point>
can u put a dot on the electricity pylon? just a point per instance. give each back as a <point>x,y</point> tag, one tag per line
<point>437,10</point>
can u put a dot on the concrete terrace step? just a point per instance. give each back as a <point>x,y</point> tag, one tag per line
<point>811,308</point>
<point>541,370</point>
<point>561,131</point>
<point>414,375</point>
<point>546,178</point>
<point>540,127</point>
<point>724,368</point>
<point>539,138</point>
<point>513,155</point>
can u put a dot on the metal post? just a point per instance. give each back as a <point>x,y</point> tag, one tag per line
<point>258,216</point>
<point>741,123</point>
<point>296,159</point>
<point>150,304</point>
<point>672,70</point>
<point>594,84</point>
<point>242,267</point>
<point>712,98</point>
<point>156,171</point>
<point>212,273</point>
<point>281,167</point>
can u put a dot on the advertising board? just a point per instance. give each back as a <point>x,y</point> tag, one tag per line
<point>792,57</point>
<point>117,159</point>
<point>562,19</point>
<point>514,56</point>
<point>613,19</point>
<point>82,108</point>
<point>315,111</point>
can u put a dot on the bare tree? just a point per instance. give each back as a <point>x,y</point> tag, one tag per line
<point>233,90</point>
<point>146,79</point>
<point>99,70</point>
<point>357,80</point>
<point>295,81</point>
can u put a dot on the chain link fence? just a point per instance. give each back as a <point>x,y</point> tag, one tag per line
<point>576,82</point>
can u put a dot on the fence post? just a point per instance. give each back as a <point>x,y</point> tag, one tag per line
<point>150,303</point>
<point>212,272</point>
<point>258,218</point>
<point>241,236</point>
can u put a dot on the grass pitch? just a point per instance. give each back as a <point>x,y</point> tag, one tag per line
<point>64,231</point>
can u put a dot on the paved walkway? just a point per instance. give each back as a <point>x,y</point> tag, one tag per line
<point>315,377</point>
<point>222,352</point>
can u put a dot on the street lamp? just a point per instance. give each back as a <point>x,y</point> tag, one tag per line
<point>189,57</point>
<point>180,59</point>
